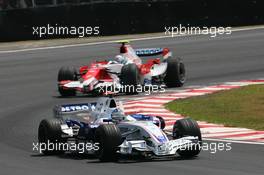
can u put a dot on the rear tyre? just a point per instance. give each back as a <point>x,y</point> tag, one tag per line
<point>175,75</point>
<point>162,122</point>
<point>109,138</point>
<point>67,73</point>
<point>188,127</point>
<point>130,78</point>
<point>49,134</point>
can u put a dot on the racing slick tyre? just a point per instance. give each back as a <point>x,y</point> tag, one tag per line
<point>175,75</point>
<point>49,135</point>
<point>67,73</point>
<point>109,138</point>
<point>162,122</point>
<point>187,127</point>
<point>130,78</point>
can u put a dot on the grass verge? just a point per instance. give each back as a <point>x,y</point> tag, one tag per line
<point>242,107</point>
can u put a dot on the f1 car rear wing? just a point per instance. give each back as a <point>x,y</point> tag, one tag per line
<point>102,105</point>
<point>165,52</point>
<point>143,51</point>
<point>59,110</point>
<point>149,51</point>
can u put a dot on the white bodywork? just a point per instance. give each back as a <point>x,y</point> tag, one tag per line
<point>158,69</point>
<point>161,145</point>
<point>143,136</point>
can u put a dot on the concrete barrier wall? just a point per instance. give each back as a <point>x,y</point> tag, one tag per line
<point>132,17</point>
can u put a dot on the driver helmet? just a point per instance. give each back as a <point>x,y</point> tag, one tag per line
<point>118,114</point>
<point>120,59</point>
<point>85,117</point>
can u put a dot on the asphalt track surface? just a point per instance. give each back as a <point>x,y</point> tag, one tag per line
<point>28,92</point>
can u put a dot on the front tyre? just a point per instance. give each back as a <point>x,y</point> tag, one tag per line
<point>67,73</point>
<point>188,127</point>
<point>49,135</point>
<point>109,138</point>
<point>175,75</point>
<point>162,122</point>
<point>130,78</point>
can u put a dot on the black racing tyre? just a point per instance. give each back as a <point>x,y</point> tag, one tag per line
<point>67,73</point>
<point>188,127</point>
<point>130,78</point>
<point>49,134</point>
<point>162,122</point>
<point>175,75</point>
<point>109,138</point>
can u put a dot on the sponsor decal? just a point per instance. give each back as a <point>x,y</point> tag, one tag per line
<point>148,51</point>
<point>78,107</point>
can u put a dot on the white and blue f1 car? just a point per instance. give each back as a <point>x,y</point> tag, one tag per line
<point>117,134</point>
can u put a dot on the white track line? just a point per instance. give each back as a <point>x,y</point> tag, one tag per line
<point>239,83</point>
<point>188,94</point>
<point>146,110</point>
<point>165,97</point>
<point>162,114</point>
<point>219,129</point>
<point>234,141</point>
<point>249,137</point>
<point>213,88</point>
<point>142,105</point>
<point>114,41</point>
<point>229,133</point>
<point>170,118</point>
<point>156,101</point>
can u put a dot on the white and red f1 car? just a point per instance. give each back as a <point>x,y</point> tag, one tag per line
<point>124,73</point>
